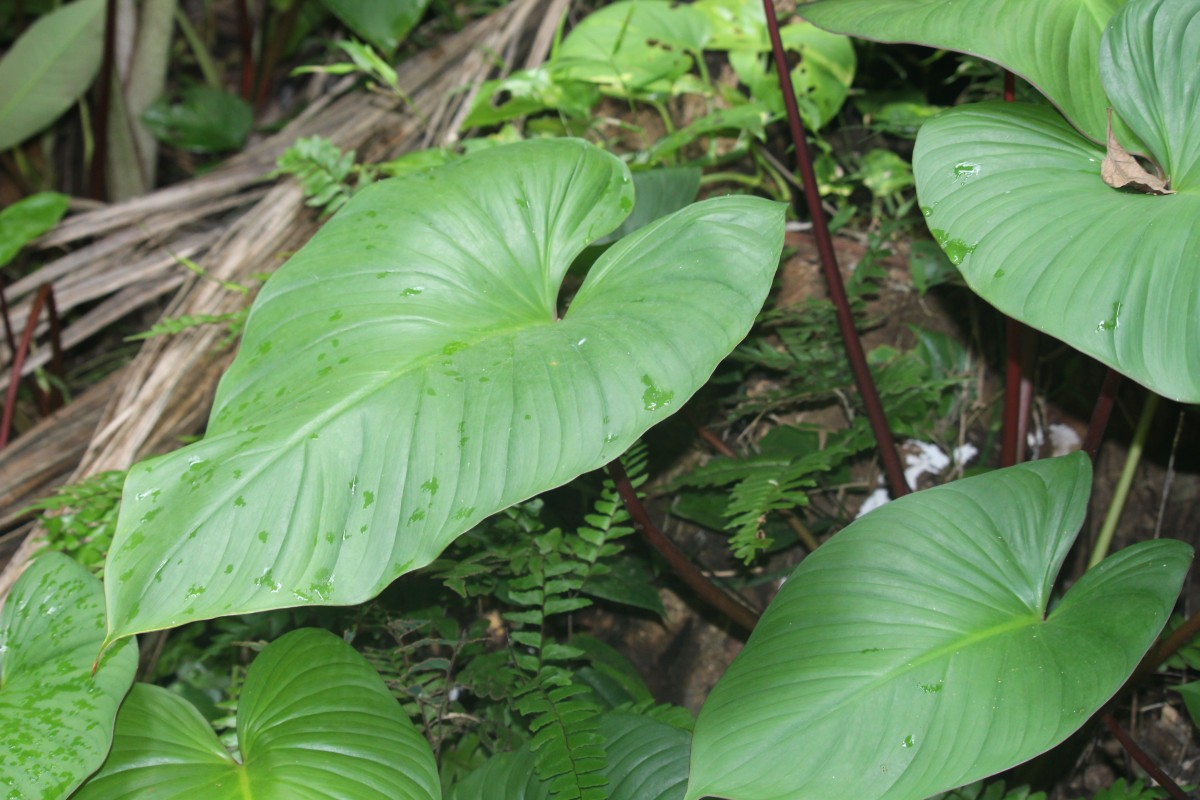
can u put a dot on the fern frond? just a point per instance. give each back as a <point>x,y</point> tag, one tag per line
<point>757,496</point>
<point>568,747</point>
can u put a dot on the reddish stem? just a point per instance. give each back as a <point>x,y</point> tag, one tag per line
<point>855,354</point>
<point>246,37</point>
<point>685,569</point>
<point>98,177</point>
<point>1144,760</point>
<point>44,297</point>
<point>1101,412</point>
<point>1013,371</point>
<point>9,338</point>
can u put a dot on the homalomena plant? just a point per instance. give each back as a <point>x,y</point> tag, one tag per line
<point>314,721</point>
<point>409,373</point>
<point>915,652</point>
<point>1017,200</point>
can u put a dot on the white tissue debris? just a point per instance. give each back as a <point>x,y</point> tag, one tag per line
<point>920,458</point>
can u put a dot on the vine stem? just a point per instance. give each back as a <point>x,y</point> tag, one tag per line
<point>1121,493</point>
<point>685,569</point>
<point>888,455</point>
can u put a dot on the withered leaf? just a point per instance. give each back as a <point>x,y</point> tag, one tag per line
<point>1121,170</point>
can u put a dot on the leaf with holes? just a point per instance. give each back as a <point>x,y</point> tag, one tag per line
<point>314,722</point>
<point>923,628</point>
<point>632,48</point>
<point>56,717</point>
<point>1054,49</point>
<point>1016,199</point>
<point>408,373</point>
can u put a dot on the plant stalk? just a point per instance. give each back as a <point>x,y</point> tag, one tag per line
<point>1101,412</point>
<point>888,455</point>
<point>9,338</point>
<point>1139,755</point>
<point>98,178</point>
<point>685,569</point>
<point>1121,493</point>
<point>44,297</point>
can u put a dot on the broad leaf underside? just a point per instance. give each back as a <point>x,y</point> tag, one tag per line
<point>406,375</point>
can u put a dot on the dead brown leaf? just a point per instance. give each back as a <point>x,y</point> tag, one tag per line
<point>1121,170</point>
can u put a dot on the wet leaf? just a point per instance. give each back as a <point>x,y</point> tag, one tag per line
<point>56,717</point>
<point>407,374</point>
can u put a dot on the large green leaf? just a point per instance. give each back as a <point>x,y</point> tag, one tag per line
<point>1055,49</point>
<point>632,47</point>
<point>383,23</point>
<point>913,652</point>
<point>315,722</point>
<point>406,374</point>
<point>647,760</point>
<point>56,717</point>
<point>1016,200</point>
<point>48,68</point>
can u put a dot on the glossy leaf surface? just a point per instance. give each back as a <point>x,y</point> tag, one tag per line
<point>647,760</point>
<point>48,68</point>
<point>315,722</point>
<point>406,374</point>
<point>1016,200</point>
<point>1054,49</point>
<point>913,651</point>
<point>56,718</point>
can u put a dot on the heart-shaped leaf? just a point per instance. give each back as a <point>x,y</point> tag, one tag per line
<point>913,652</point>
<point>1054,49</point>
<point>647,760</point>
<point>56,717</point>
<point>406,374</point>
<point>315,722</point>
<point>632,47</point>
<point>48,68</point>
<point>1017,201</point>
